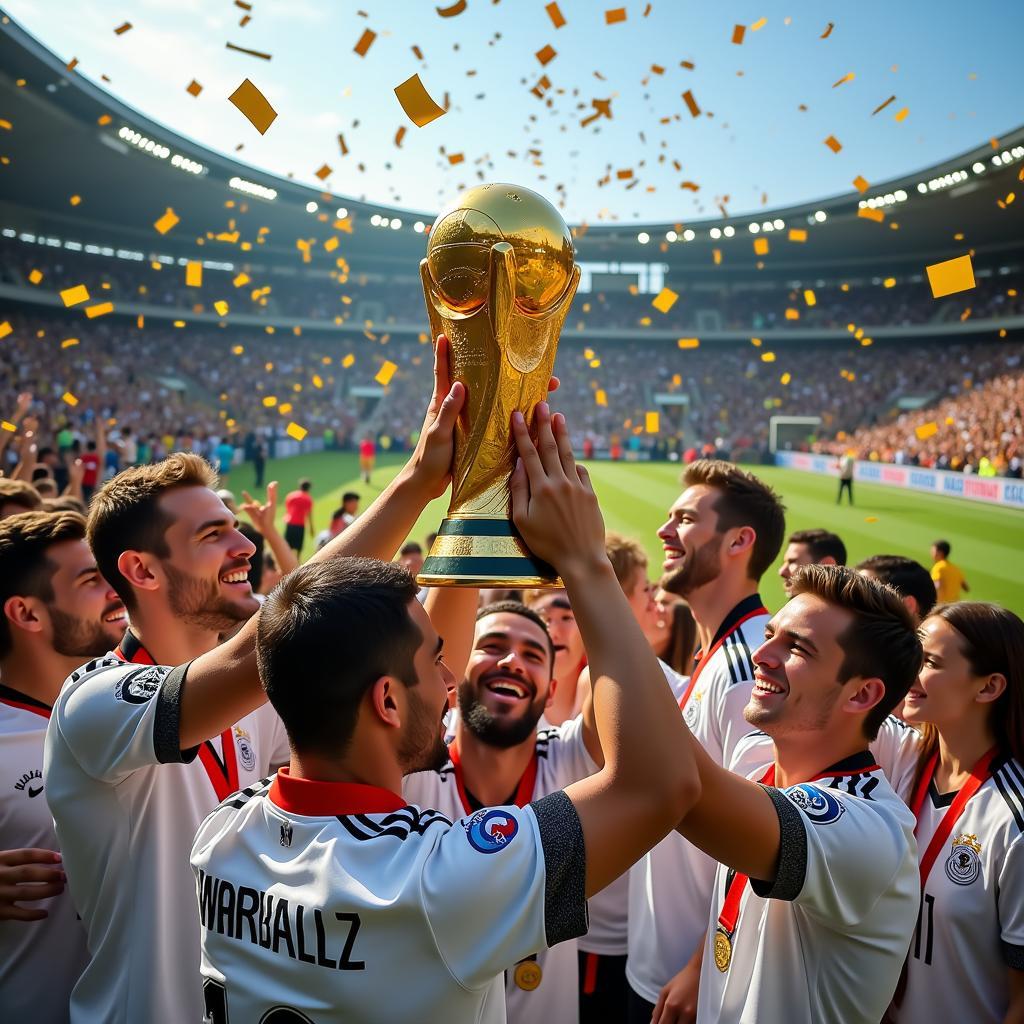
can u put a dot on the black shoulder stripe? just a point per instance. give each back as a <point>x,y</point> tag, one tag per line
<point>402,824</point>
<point>1010,788</point>
<point>243,796</point>
<point>727,653</point>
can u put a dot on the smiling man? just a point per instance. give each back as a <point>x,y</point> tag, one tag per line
<point>498,758</point>
<point>55,610</point>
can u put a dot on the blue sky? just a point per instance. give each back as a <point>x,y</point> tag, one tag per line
<point>953,65</point>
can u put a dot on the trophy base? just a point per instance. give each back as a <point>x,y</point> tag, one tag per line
<point>477,552</point>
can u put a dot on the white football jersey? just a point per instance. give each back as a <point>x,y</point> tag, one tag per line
<point>40,961</point>
<point>825,941</point>
<point>126,802</point>
<point>670,888</point>
<point>970,928</point>
<point>329,902</point>
<point>560,759</point>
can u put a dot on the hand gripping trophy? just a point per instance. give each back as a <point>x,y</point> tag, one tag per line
<point>498,280</point>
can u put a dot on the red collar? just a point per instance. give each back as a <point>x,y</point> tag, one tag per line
<point>315,799</point>
<point>16,699</point>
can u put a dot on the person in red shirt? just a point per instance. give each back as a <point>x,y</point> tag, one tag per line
<point>367,457</point>
<point>91,461</point>
<point>298,511</point>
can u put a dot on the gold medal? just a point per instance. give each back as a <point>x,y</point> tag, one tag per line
<point>723,950</point>
<point>527,975</point>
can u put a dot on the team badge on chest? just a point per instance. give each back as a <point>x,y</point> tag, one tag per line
<point>692,711</point>
<point>963,865</point>
<point>246,754</point>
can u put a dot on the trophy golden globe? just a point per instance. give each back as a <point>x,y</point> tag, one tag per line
<point>498,280</point>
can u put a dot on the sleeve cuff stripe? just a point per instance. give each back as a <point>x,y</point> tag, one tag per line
<point>792,870</point>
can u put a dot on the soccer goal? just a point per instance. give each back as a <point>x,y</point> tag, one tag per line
<point>791,432</point>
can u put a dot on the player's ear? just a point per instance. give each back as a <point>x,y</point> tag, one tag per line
<point>383,701</point>
<point>828,560</point>
<point>140,569</point>
<point>994,688</point>
<point>742,540</point>
<point>868,693</point>
<point>23,612</point>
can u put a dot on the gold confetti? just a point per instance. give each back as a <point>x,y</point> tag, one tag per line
<point>121,29</point>
<point>926,430</point>
<point>348,361</point>
<point>324,172</point>
<point>688,343</point>
<point>69,343</point>
<point>759,24</point>
<point>238,349</point>
<point>871,519</point>
<point>848,77</point>
<point>785,378</point>
<point>546,54</point>
<point>555,14</point>
<point>295,431</point>
<point>72,64</point>
<point>140,321</point>
<point>861,183</point>
<point>5,328</point>
<point>767,357</point>
<point>8,426</point>
<point>951,276</point>
<point>809,297</point>
<point>75,200</point>
<point>738,32</point>
<point>828,30</point>
<point>716,255</point>
<point>761,246</point>
<point>366,41</point>
<point>868,213</point>
<point>269,401</point>
<point>833,143</point>
<point>665,300</point>
<point>254,106</point>
<point>889,282</point>
<point>450,12</point>
<point>883,105</point>
<point>251,53</point>
<point>399,135</point>
<point>69,398</point>
<point>341,145</point>
<point>284,408</point>
<point>73,296</point>
<point>164,223</point>
<point>179,323</point>
<point>600,397</point>
<point>241,280</point>
<point>193,274</point>
<point>691,103</point>
<point>756,342</point>
<point>222,307</point>
<point>792,314</point>
<point>614,15</point>
<point>901,114</point>
<point>797,234</point>
<point>193,88</point>
<point>651,423</point>
<point>455,158</point>
<point>417,103</point>
<point>35,276</point>
<point>385,373</point>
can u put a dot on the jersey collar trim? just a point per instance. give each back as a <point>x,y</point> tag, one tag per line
<point>749,606</point>
<point>131,649</point>
<point>853,765</point>
<point>314,799</point>
<point>17,699</point>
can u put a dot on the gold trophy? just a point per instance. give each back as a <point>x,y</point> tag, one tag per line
<point>498,280</point>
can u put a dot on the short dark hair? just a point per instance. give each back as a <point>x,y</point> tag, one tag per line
<point>518,608</point>
<point>942,546</point>
<point>882,640</point>
<point>19,493</point>
<point>907,577</point>
<point>821,544</point>
<point>349,496</point>
<point>743,500</point>
<point>411,547</point>
<point>25,570</point>
<point>125,514</point>
<point>305,485</point>
<point>327,631</point>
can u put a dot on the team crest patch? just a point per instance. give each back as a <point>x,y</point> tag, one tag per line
<point>492,830</point>
<point>963,865</point>
<point>818,804</point>
<point>286,833</point>
<point>245,752</point>
<point>692,710</point>
<point>141,686</point>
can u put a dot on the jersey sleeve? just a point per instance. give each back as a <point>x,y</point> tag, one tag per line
<point>752,755</point>
<point>1010,905</point>
<point>837,855</point>
<point>124,717</point>
<point>721,724</point>
<point>504,884</point>
<point>897,749</point>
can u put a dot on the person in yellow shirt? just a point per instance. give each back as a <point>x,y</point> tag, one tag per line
<point>949,578</point>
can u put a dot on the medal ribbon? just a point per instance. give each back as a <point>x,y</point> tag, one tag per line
<point>524,791</point>
<point>223,775</point>
<point>705,658</point>
<point>980,774</point>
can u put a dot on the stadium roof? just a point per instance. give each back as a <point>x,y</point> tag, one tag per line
<point>69,137</point>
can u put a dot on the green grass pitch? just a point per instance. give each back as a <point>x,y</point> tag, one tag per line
<point>987,542</point>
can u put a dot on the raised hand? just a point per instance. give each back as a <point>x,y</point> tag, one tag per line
<point>262,516</point>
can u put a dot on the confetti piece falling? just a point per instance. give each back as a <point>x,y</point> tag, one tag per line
<point>761,246</point>
<point>455,158</point>
<point>871,519</point>
<point>222,307</point>
<point>883,105</point>
<point>833,143</point>
<point>385,373</point>
<point>691,103</point>
<point>193,88</point>
<point>348,361</point>
<point>365,42</point>
<point>251,53</point>
<point>738,32</point>
<point>546,54</point>
<point>5,329</point>
<point>615,15</point>
<point>294,430</point>
<point>324,172</point>
<point>35,277</point>
<point>75,295</point>
<point>8,426</point>
<point>767,357</point>
<point>103,120</point>
<point>828,30</point>
<point>926,430</point>
<point>69,398</point>
<point>759,24</point>
<point>555,14</point>
<point>452,11</point>
<point>798,234</point>
<point>651,423</point>
<point>861,183</point>
<point>194,274</point>
<point>809,297</point>
<point>951,276</point>
<point>417,103</point>
<point>685,343</point>
<point>69,343</point>
<point>100,309</point>
<point>164,223</point>
<point>716,256</point>
<point>889,282</point>
<point>121,29</point>
<point>665,300</point>
<point>869,214</point>
<point>254,106</point>
<point>600,397</point>
<point>241,280</point>
<point>901,115</point>
<point>848,77</point>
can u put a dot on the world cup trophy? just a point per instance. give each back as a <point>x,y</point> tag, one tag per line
<point>498,279</point>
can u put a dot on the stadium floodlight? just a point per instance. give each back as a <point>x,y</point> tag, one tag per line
<point>820,216</point>
<point>250,188</point>
<point>767,226</point>
<point>643,238</point>
<point>728,231</point>
<point>779,223</point>
<point>419,227</point>
<point>341,212</point>
<point>670,236</point>
<point>715,232</point>
<point>375,219</point>
<point>978,167</point>
<point>311,206</point>
<point>753,228</point>
<point>689,235</point>
<point>395,223</point>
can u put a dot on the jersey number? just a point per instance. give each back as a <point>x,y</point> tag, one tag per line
<point>216,998</point>
<point>925,929</point>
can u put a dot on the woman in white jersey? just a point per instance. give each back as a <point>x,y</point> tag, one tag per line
<point>966,961</point>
